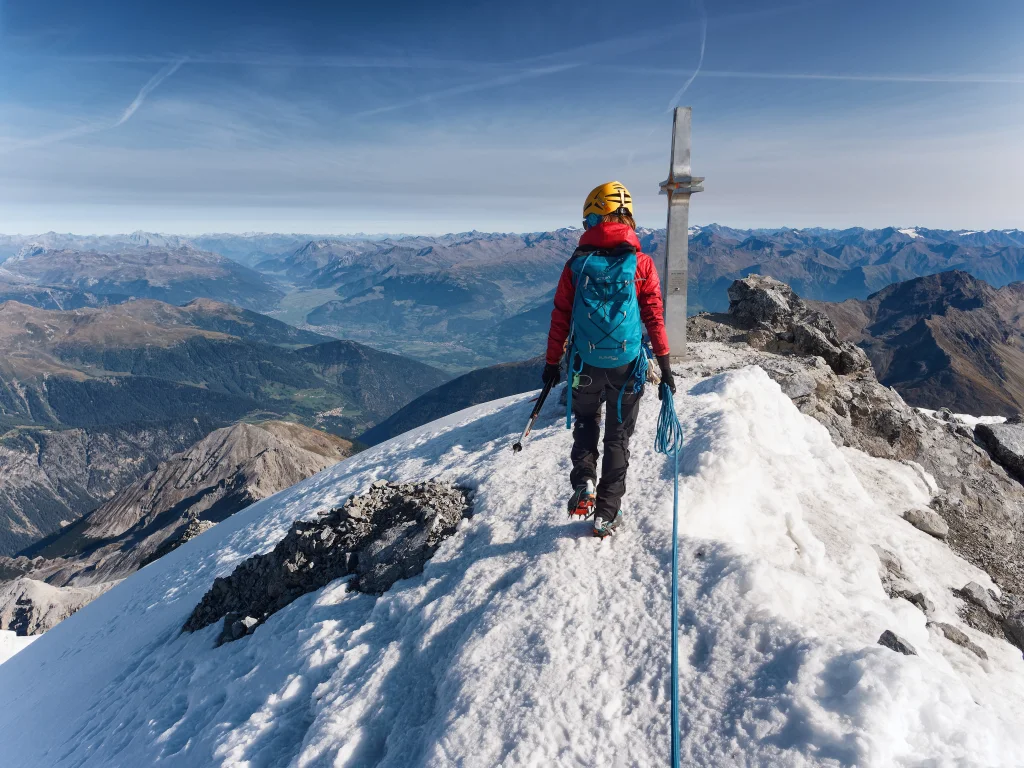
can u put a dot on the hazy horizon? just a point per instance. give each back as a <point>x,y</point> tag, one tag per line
<point>438,233</point>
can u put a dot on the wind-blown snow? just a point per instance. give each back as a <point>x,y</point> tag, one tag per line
<point>526,642</point>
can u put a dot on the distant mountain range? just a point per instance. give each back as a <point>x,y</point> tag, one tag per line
<point>463,301</point>
<point>946,340</point>
<point>69,278</point>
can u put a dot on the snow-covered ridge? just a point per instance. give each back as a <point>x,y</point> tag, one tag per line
<point>910,232</point>
<point>526,642</point>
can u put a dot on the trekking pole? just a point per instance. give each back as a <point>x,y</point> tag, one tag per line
<point>517,446</point>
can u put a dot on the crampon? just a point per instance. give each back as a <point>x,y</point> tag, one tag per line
<point>583,500</point>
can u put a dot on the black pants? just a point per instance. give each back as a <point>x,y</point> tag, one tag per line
<point>597,386</point>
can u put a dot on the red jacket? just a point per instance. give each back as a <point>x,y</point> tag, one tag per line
<point>648,291</point>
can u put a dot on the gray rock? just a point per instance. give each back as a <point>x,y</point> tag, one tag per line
<point>959,637</point>
<point>384,535</point>
<point>896,643</point>
<point>979,596</point>
<point>927,520</point>
<point>780,321</point>
<point>1013,626</point>
<point>918,598</point>
<point>1005,442</point>
<point>891,567</point>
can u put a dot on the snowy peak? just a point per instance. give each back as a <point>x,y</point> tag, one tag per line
<point>780,581</point>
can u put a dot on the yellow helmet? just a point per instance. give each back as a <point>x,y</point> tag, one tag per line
<point>608,198</point>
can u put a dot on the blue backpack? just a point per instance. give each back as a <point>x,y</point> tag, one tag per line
<point>606,331</point>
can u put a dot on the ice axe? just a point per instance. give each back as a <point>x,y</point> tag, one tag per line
<point>517,446</point>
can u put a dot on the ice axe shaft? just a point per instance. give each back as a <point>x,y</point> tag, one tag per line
<point>517,446</point>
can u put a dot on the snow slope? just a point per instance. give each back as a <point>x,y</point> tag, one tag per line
<point>527,643</point>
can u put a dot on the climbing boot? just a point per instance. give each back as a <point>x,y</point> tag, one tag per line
<point>603,528</point>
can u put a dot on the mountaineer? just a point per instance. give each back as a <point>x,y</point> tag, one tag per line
<point>606,290</point>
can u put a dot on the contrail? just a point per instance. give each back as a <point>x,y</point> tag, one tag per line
<point>147,89</point>
<point>700,62</point>
<point>674,101</point>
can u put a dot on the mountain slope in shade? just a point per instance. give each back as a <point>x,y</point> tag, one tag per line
<point>472,388</point>
<point>525,642</point>
<point>381,382</point>
<point>226,471</point>
<point>945,340</point>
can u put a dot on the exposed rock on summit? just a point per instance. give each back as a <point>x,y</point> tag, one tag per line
<point>382,536</point>
<point>777,320</point>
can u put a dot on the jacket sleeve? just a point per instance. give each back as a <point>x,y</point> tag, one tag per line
<point>652,311</point>
<point>561,316</point>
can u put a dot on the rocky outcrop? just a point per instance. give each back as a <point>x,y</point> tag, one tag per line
<point>982,505</point>
<point>382,536</point>
<point>927,520</point>
<point>777,320</point>
<point>30,607</point>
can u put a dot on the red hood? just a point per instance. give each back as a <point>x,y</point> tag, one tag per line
<point>609,234</point>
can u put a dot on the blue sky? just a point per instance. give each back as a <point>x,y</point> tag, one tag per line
<point>335,117</point>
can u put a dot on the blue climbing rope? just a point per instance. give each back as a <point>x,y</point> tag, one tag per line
<point>669,440</point>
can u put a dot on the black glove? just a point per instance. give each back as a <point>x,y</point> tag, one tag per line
<point>666,375</point>
<point>552,374</point>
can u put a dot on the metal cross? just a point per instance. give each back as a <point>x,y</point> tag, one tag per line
<point>673,263</point>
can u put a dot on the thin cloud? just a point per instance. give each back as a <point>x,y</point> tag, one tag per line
<point>84,130</point>
<point>485,85</point>
<point>291,60</point>
<point>841,77</point>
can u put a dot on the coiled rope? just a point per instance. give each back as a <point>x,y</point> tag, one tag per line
<point>669,440</point>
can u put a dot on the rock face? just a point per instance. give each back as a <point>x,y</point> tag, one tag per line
<point>30,607</point>
<point>223,473</point>
<point>380,537</point>
<point>979,596</point>
<point>51,477</point>
<point>1006,444</point>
